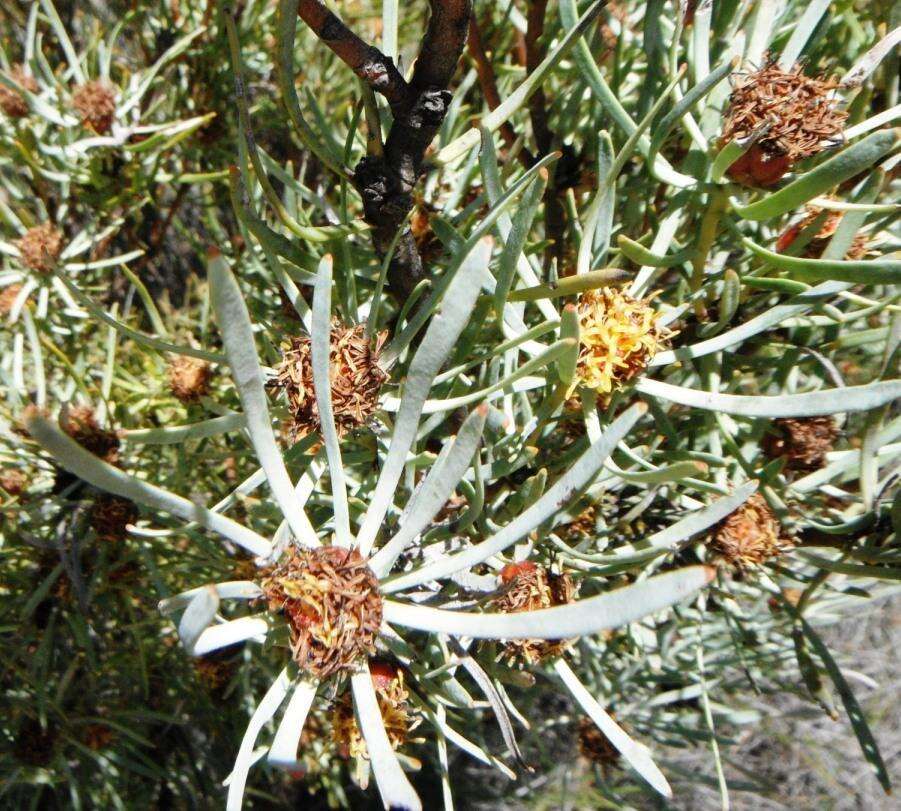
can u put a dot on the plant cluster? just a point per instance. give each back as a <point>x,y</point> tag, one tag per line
<point>381,395</point>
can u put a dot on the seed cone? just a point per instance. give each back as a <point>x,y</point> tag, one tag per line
<point>95,103</point>
<point>750,536</point>
<point>189,378</point>
<point>799,115</point>
<point>80,423</point>
<point>803,443</point>
<point>40,247</point>
<point>531,587</point>
<point>331,601</point>
<point>354,373</point>
<point>619,335</point>
<point>12,102</point>
<point>392,697</point>
<point>110,515</point>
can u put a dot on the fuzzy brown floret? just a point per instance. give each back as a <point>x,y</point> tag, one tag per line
<point>750,536</point>
<point>803,443</point>
<point>355,375</point>
<point>330,599</point>
<point>110,516</point>
<point>95,103</point>
<point>529,587</point>
<point>80,423</point>
<point>12,102</point>
<point>40,247</point>
<point>189,378</point>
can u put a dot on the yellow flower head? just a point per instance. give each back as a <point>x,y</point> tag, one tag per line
<point>618,335</point>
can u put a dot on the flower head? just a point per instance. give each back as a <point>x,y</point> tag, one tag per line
<point>392,696</point>
<point>803,443</point>
<point>530,587</point>
<point>595,746</point>
<point>8,298</point>
<point>111,515</point>
<point>355,376</point>
<point>40,247</point>
<point>750,536</point>
<point>619,335</point>
<point>330,599</point>
<point>815,247</point>
<point>12,102</point>
<point>95,103</point>
<point>13,481</point>
<point>796,115</point>
<point>189,378</point>
<point>80,423</point>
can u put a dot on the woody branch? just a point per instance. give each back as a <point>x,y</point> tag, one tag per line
<point>386,182</point>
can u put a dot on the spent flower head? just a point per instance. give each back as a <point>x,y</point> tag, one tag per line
<point>791,115</point>
<point>40,247</point>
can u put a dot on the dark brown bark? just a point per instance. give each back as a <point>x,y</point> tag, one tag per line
<point>369,63</point>
<point>488,83</point>
<point>554,215</point>
<point>386,182</point>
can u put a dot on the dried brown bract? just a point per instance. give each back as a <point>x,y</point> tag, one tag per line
<point>12,102</point>
<point>40,247</point>
<point>13,481</point>
<point>815,247</point>
<point>803,443</point>
<point>356,379</point>
<point>110,515</point>
<point>530,587</point>
<point>750,536</point>
<point>189,378</point>
<point>80,423</point>
<point>95,103</point>
<point>796,113</point>
<point>330,599</point>
<point>595,746</point>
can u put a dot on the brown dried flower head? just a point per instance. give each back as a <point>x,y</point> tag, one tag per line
<point>8,298</point>
<point>750,536</point>
<point>618,335</point>
<point>392,697</point>
<point>803,443</point>
<point>13,481</point>
<point>216,670</point>
<point>530,587</point>
<point>97,736</point>
<point>12,102</point>
<point>40,247</point>
<point>189,378</point>
<point>815,247</point>
<point>95,103</point>
<point>110,515</point>
<point>80,423</point>
<point>330,599</point>
<point>595,746</point>
<point>355,375</point>
<point>799,115</point>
